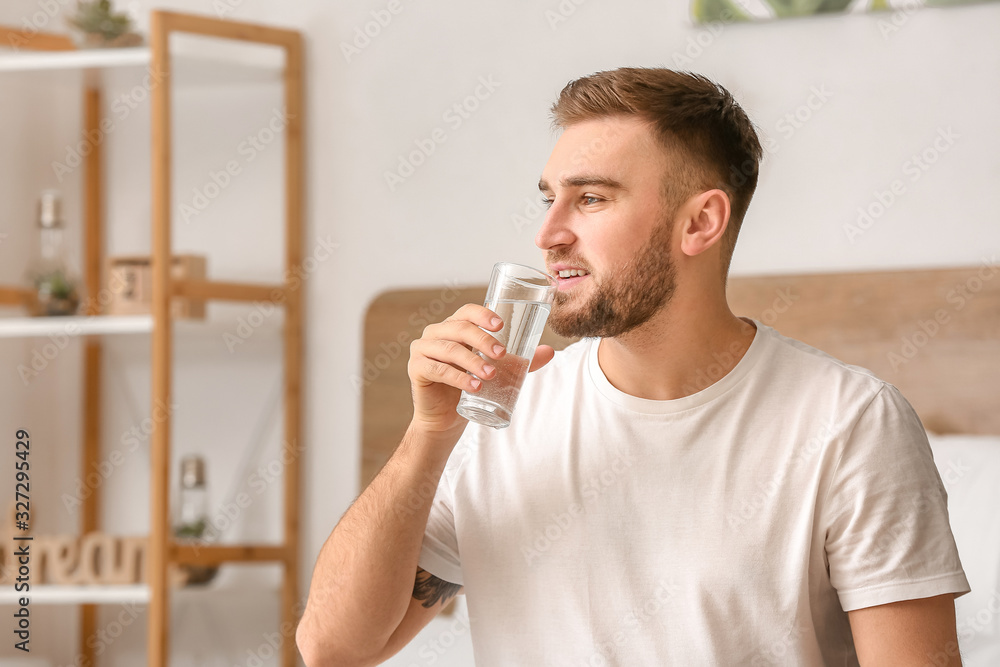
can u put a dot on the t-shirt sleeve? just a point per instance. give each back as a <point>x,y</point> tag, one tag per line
<point>888,535</point>
<point>439,551</point>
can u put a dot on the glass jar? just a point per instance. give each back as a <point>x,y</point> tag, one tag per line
<point>53,287</point>
<point>191,517</point>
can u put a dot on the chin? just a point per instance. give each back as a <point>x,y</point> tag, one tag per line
<point>566,325</point>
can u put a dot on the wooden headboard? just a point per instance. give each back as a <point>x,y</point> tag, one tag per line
<point>935,334</point>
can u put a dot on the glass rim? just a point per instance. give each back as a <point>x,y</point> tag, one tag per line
<point>552,281</point>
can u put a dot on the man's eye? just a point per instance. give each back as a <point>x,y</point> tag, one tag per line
<point>547,203</point>
<point>589,199</point>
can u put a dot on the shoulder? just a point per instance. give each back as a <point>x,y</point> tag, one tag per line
<point>804,364</point>
<point>807,380</point>
<point>867,408</point>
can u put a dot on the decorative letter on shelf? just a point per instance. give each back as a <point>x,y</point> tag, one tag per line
<point>76,560</point>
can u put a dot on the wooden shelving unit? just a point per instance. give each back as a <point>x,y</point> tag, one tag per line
<point>41,51</point>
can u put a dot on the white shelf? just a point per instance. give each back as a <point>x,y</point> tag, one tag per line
<point>135,593</point>
<point>75,325</point>
<point>82,325</point>
<point>51,594</point>
<point>188,69</point>
<point>29,61</point>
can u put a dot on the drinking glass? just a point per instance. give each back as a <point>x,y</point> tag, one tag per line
<point>522,297</point>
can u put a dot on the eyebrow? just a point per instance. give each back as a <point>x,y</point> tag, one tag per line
<point>581,181</point>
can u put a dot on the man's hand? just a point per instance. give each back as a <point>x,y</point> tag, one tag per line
<point>441,357</point>
<point>910,632</point>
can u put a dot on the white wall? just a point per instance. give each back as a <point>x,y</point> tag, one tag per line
<point>887,97</point>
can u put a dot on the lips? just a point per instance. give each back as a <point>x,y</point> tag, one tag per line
<point>568,283</point>
<point>568,275</point>
<point>564,270</point>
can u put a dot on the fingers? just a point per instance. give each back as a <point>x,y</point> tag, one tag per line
<point>447,349</point>
<point>464,327</point>
<point>446,361</point>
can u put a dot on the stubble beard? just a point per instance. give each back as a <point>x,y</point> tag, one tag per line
<point>625,300</point>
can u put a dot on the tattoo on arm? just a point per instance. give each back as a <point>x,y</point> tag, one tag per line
<point>432,590</point>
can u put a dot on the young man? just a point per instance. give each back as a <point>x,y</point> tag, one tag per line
<point>683,486</point>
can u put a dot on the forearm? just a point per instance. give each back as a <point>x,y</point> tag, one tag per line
<point>363,579</point>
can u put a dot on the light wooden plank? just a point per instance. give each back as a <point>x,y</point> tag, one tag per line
<point>17,39</point>
<point>228,29</point>
<point>217,554</point>
<point>14,295</point>
<point>93,258</point>
<point>294,314</point>
<point>228,291</point>
<point>90,511</point>
<point>158,619</point>
<point>93,204</point>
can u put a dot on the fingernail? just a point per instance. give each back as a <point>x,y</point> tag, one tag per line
<point>496,321</point>
<point>487,369</point>
<point>475,384</point>
<point>497,349</point>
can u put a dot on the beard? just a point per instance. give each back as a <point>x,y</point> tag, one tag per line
<point>626,299</point>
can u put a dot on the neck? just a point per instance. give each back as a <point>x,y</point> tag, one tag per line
<point>684,348</point>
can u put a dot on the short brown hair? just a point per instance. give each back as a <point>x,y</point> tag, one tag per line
<point>694,118</point>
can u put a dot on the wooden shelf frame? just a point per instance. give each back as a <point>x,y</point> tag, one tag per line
<point>162,551</point>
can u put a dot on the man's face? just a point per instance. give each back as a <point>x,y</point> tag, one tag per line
<point>606,217</point>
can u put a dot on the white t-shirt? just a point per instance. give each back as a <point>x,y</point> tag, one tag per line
<point>733,526</point>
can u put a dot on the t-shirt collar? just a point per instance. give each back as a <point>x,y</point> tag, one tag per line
<point>709,393</point>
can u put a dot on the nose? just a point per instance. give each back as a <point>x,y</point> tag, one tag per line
<point>556,229</point>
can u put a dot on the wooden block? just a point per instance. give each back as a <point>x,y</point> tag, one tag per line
<point>130,280</point>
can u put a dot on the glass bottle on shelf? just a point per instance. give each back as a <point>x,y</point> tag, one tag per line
<point>53,288</point>
<point>191,518</point>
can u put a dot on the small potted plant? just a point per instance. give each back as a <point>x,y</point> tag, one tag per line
<point>54,294</point>
<point>101,26</point>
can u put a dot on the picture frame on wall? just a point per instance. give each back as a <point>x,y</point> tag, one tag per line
<point>748,11</point>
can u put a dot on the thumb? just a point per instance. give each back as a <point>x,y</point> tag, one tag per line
<point>543,355</point>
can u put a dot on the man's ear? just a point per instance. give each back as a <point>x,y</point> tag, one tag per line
<point>704,219</point>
